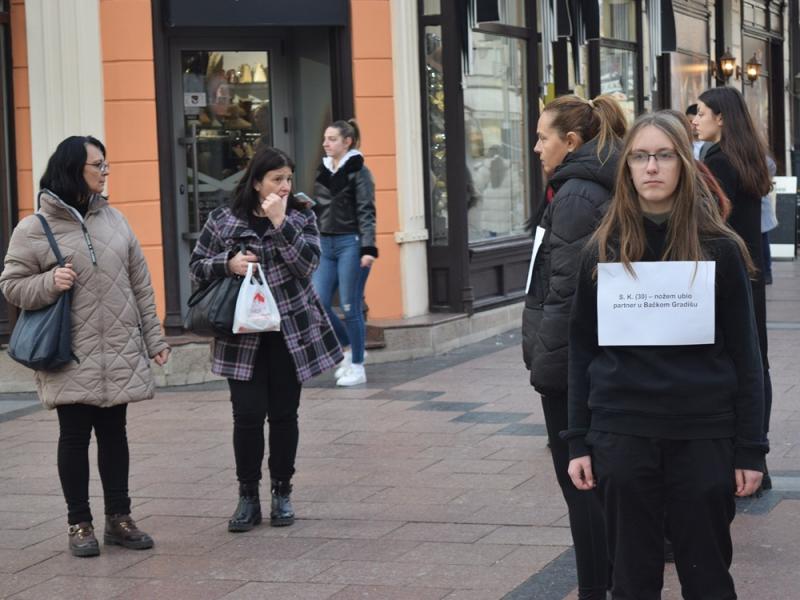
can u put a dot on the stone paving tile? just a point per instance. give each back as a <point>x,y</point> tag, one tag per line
<point>268,548</point>
<point>474,595</point>
<point>399,495</point>
<point>12,561</point>
<point>381,550</point>
<point>442,532</point>
<point>383,592</point>
<point>248,569</point>
<point>181,590</point>
<point>75,588</point>
<point>347,529</point>
<point>457,554</point>
<point>284,591</point>
<point>534,558</point>
<point>534,536</point>
<point>469,466</point>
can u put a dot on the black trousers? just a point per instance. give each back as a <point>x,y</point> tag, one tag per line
<point>585,510</point>
<point>273,394</point>
<point>75,422</point>
<point>691,482</point>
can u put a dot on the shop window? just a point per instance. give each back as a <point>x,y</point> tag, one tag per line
<point>618,76</point>
<point>756,96</point>
<point>497,154</point>
<point>689,78</point>
<point>437,146</point>
<point>431,7</point>
<point>618,20</point>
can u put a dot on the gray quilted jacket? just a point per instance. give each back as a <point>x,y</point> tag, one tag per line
<point>115,330</point>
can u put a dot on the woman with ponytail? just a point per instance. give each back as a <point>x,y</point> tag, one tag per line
<point>345,207</point>
<point>578,146</point>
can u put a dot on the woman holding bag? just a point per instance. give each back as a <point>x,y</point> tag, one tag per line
<point>115,332</point>
<point>266,370</point>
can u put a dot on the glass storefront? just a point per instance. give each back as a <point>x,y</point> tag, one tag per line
<point>618,77</point>
<point>756,96</point>
<point>226,115</point>
<point>497,149</point>
<point>690,75</point>
<point>437,146</point>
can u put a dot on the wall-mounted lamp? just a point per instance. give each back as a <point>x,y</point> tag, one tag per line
<point>752,69</point>
<point>727,66</point>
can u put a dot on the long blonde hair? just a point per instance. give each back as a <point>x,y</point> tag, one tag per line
<point>621,235</point>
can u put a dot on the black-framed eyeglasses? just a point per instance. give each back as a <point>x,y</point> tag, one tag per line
<point>100,166</point>
<point>663,157</point>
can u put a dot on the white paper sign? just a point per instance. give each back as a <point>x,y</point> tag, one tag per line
<point>668,304</point>
<point>537,241</point>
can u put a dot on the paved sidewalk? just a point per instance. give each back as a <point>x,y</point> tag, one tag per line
<point>431,482</point>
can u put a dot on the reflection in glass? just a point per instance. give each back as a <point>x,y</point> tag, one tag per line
<point>618,19</point>
<point>689,78</point>
<point>437,146</point>
<point>226,101</point>
<point>757,99</point>
<point>431,7</point>
<point>497,156</point>
<point>618,78</point>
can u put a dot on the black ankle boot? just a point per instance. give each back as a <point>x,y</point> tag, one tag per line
<point>282,513</point>
<point>248,511</point>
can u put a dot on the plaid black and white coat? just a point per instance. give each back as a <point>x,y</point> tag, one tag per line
<point>288,255</point>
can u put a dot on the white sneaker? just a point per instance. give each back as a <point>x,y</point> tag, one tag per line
<point>355,375</point>
<point>344,365</point>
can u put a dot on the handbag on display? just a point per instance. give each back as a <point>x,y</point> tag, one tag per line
<point>42,339</point>
<point>211,307</point>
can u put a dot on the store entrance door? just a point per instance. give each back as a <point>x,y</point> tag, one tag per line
<point>228,100</point>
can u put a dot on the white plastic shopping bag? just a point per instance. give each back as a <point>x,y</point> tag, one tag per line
<point>256,309</point>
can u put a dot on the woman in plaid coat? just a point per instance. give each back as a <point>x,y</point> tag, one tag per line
<point>265,371</point>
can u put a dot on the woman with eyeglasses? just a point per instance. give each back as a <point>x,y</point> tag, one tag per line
<point>660,427</point>
<point>578,146</point>
<point>738,159</point>
<point>115,332</point>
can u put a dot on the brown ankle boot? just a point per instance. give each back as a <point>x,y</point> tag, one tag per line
<point>122,531</point>
<point>82,541</point>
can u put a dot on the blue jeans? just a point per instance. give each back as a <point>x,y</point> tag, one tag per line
<point>340,267</point>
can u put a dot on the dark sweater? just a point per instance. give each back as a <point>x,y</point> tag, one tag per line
<point>706,391</point>
<point>745,220</point>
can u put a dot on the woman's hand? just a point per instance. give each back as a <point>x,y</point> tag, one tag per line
<point>366,261</point>
<point>747,482</point>
<point>162,357</point>
<point>274,208</point>
<point>64,277</point>
<point>580,471</point>
<point>238,263</point>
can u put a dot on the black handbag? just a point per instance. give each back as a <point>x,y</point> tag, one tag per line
<point>42,339</point>
<point>211,307</point>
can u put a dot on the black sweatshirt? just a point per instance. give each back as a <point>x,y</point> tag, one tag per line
<point>706,391</point>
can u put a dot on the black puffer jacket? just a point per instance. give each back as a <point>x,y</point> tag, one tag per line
<point>346,202</point>
<point>582,184</point>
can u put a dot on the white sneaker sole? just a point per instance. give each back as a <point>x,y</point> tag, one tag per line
<point>342,382</point>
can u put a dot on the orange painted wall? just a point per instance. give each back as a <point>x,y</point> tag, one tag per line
<point>22,111</point>
<point>374,103</point>
<point>126,34</point>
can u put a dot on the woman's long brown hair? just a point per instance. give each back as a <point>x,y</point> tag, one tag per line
<point>621,235</point>
<point>741,142</point>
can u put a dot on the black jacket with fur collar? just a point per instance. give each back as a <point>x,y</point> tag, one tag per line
<point>345,201</point>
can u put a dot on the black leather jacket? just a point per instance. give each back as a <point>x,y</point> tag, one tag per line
<point>345,202</point>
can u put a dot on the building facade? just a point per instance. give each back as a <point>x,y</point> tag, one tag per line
<point>447,94</point>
